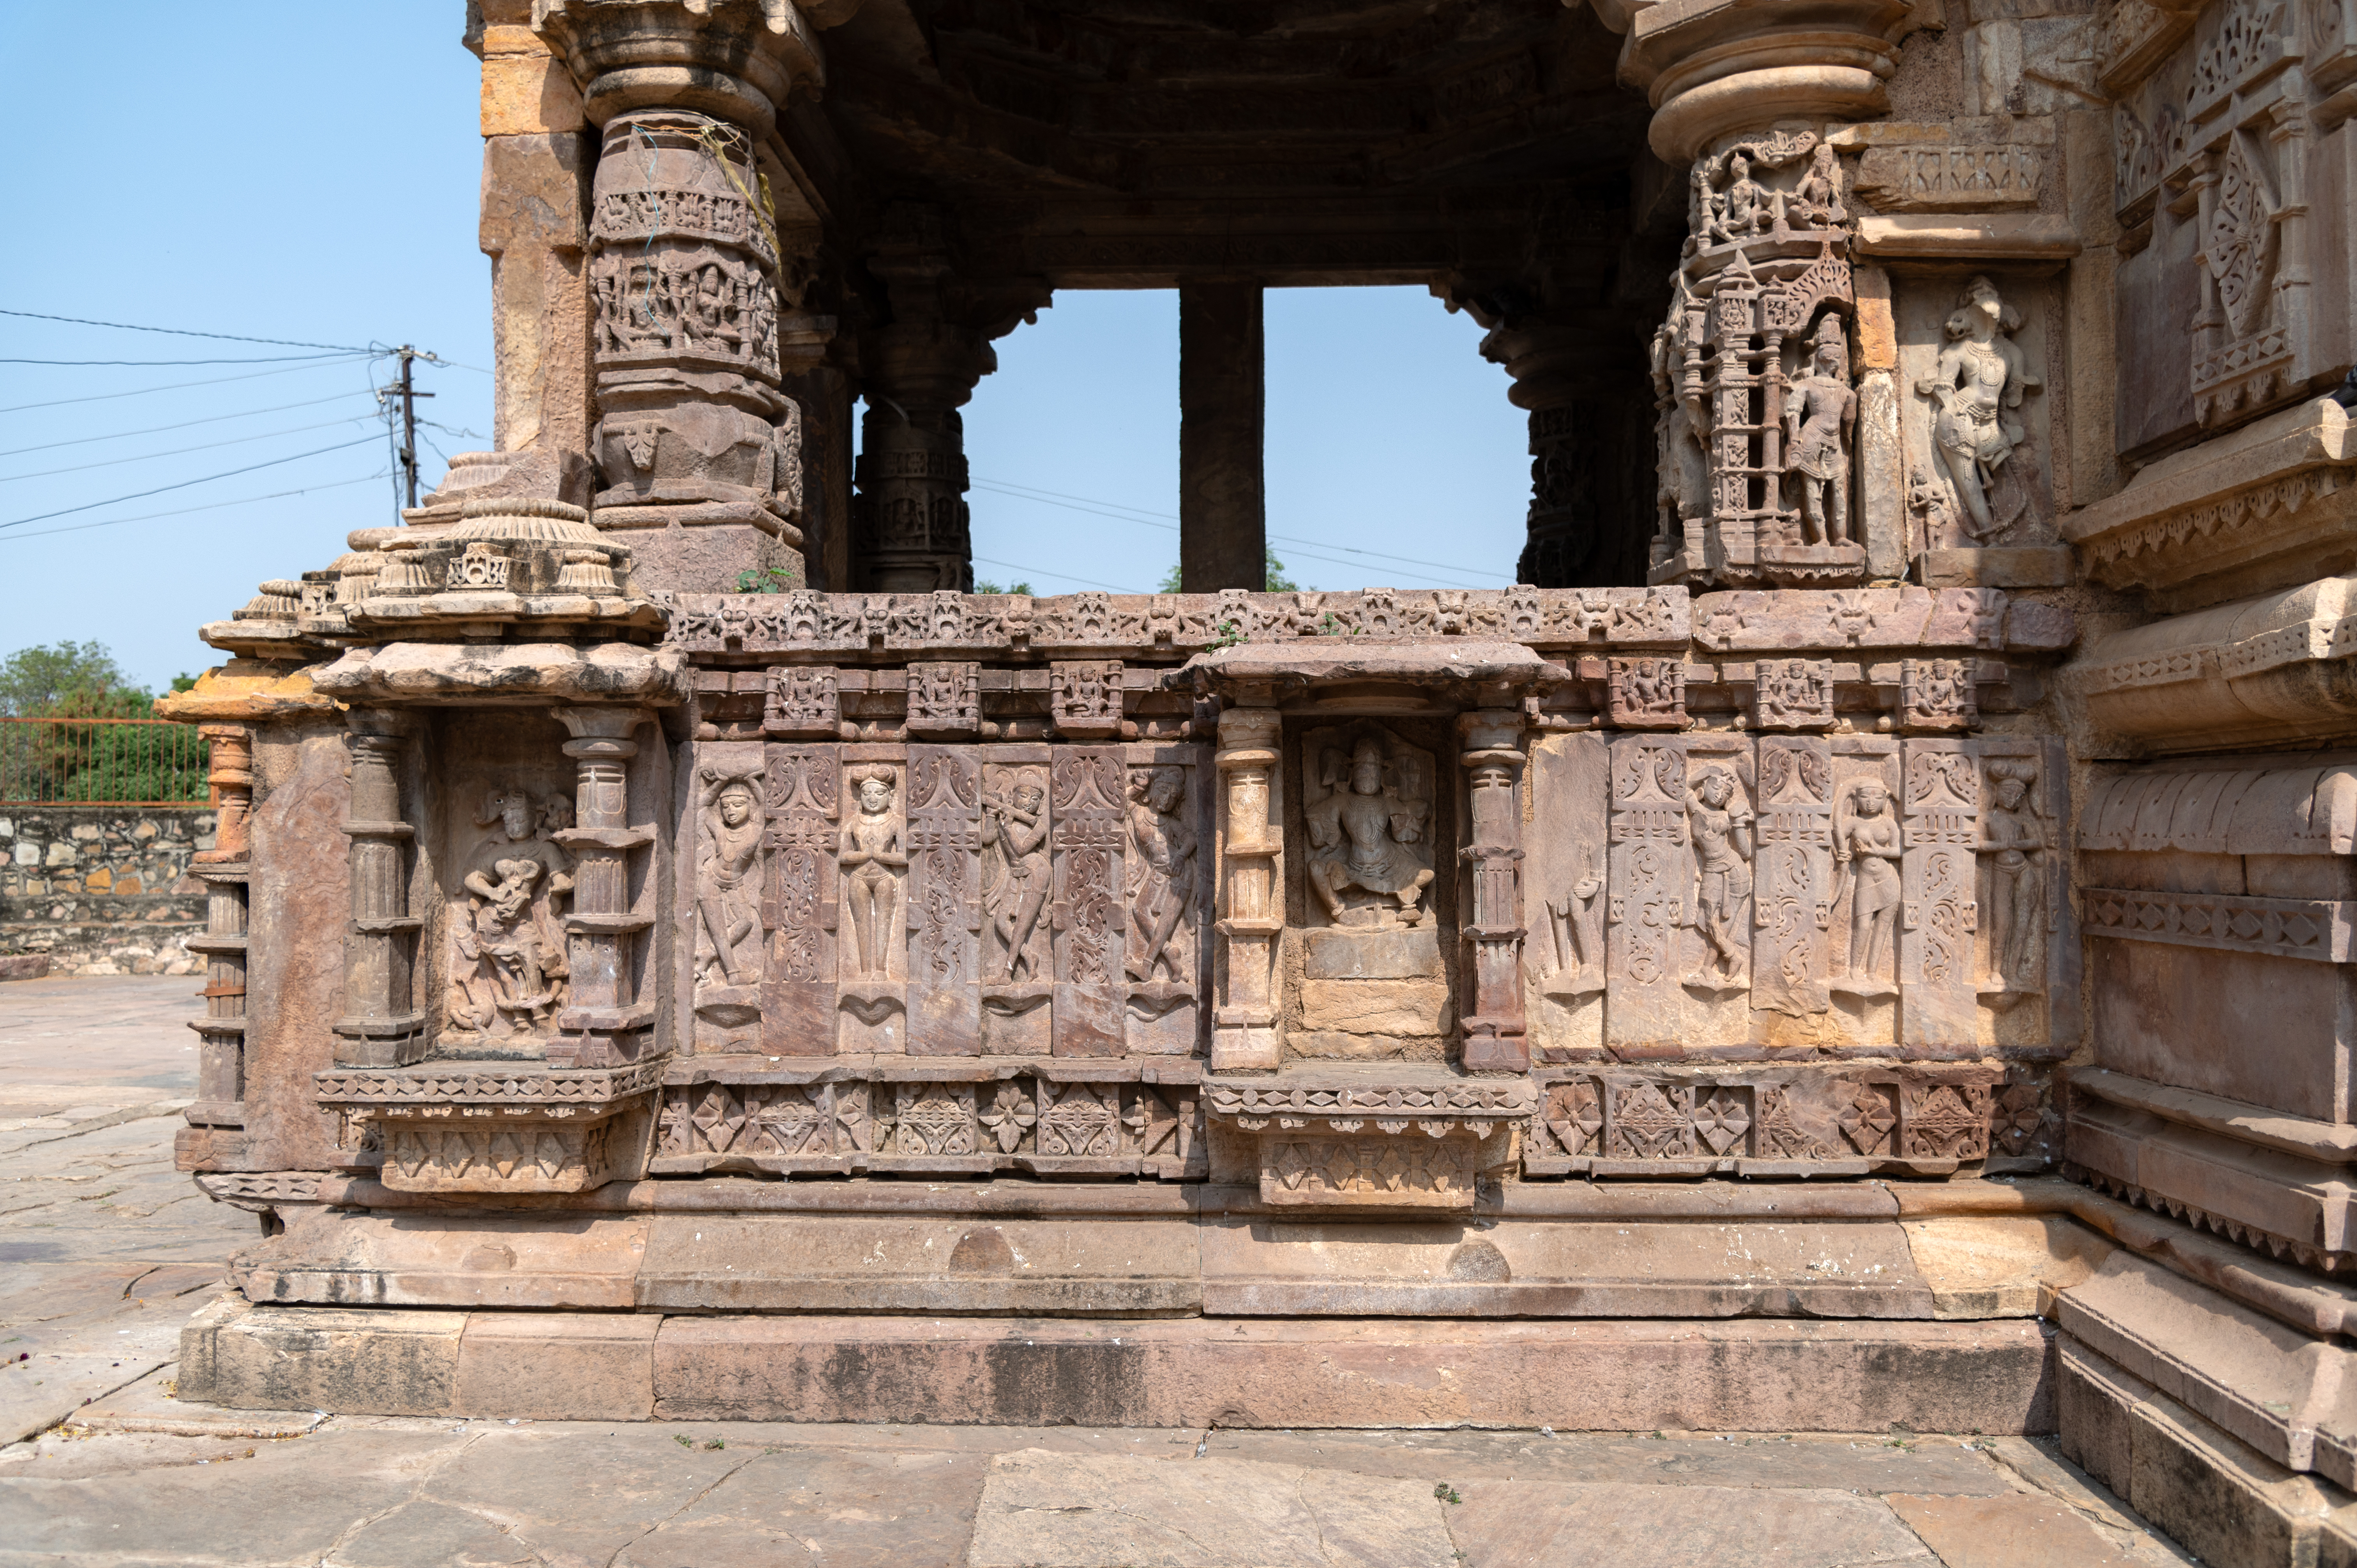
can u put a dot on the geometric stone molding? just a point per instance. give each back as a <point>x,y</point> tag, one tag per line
<point>1404,1140</point>
<point>1763,1123</point>
<point>1172,626</point>
<point>261,1192</point>
<point>2324,930</point>
<point>474,1128</point>
<point>861,1122</point>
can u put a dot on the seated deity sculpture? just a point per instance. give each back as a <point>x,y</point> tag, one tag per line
<point>1367,831</point>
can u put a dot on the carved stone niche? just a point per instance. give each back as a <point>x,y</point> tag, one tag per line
<point>1346,1139</point>
<point>1976,435</point>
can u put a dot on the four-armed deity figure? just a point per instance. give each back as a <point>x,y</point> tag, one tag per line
<point>871,853</point>
<point>1366,833</point>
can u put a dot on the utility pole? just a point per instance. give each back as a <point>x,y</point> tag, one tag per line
<point>408,394</point>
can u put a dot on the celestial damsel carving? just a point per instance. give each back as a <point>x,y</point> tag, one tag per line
<point>1721,830</point>
<point>2015,845</point>
<point>1978,386</point>
<point>872,858</point>
<point>1162,876</point>
<point>1866,849</point>
<point>729,937</point>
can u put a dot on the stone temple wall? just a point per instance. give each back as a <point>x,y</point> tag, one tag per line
<point>1885,956</point>
<point>102,889</point>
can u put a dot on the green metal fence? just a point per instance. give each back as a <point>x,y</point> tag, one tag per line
<point>113,762</point>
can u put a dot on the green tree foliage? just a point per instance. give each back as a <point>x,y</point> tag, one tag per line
<point>1274,581</point>
<point>34,681</point>
<point>83,761</point>
<point>985,585</point>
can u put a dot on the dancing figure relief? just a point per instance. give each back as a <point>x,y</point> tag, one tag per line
<point>1014,827</point>
<point>1161,874</point>
<point>1722,834</point>
<point>509,972</point>
<point>727,886</point>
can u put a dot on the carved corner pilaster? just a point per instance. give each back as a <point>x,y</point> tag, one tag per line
<point>1251,892</point>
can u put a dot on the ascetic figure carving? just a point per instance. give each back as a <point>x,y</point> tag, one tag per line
<point>2013,837</point>
<point>728,947</point>
<point>1722,843</point>
<point>1977,384</point>
<point>1018,826</point>
<point>871,852</point>
<point>1867,845</point>
<point>509,970</point>
<point>1364,833</point>
<point>1162,875</point>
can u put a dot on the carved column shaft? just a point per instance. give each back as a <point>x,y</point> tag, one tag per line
<point>1222,501</point>
<point>1492,854</point>
<point>220,1033</point>
<point>1252,896</point>
<point>380,1026</point>
<point>603,1027</point>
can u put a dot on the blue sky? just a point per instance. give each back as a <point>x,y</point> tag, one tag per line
<point>282,171</point>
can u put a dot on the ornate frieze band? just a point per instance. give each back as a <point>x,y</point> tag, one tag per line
<point>2320,928</point>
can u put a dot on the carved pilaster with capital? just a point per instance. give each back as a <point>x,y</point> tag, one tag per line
<point>605,1024</point>
<point>1251,890</point>
<point>380,1026</point>
<point>1725,66</point>
<point>1493,853</point>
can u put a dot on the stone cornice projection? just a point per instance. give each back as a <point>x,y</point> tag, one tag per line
<point>2320,928</point>
<point>2266,507</point>
<point>544,1090</point>
<point>2255,671</point>
<point>1173,626</point>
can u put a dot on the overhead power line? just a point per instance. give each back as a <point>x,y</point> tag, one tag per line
<point>183,484</point>
<point>185,511</point>
<point>151,364</point>
<point>1043,571</point>
<point>178,386</point>
<point>183,332</point>
<point>180,451</point>
<point>183,424</point>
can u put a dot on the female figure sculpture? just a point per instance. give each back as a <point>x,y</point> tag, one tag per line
<point>871,852</point>
<point>1977,384</point>
<point>1867,845</point>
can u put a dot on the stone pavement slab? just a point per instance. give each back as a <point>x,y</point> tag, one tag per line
<point>2012,1532</point>
<point>105,1251</point>
<point>1043,1509</point>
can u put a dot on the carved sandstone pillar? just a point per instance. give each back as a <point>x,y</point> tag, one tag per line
<point>1727,66</point>
<point>1251,890</point>
<point>1584,394</point>
<point>1222,497</point>
<point>380,1026</point>
<point>920,368</point>
<point>220,1033</point>
<point>605,1024</point>
<point>692,294</point>
<point>1493,853</point>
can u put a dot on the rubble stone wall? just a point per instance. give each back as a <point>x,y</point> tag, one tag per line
<point>102,889</point>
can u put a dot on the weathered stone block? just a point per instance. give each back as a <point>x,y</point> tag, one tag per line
<point>556,1367</point>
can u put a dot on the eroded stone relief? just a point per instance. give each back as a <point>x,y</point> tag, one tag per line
<point>507,967</point>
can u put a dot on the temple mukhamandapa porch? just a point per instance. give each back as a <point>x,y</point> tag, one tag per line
<point>1862,934</point>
